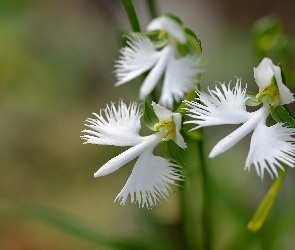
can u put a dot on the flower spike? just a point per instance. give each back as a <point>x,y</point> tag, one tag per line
<point>151,175</point>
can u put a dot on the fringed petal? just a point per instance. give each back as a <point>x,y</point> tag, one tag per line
<point>270,147</point>
<point>179,79</point>
<point>137,58</point>
<point>219,107</point>
<point>115,126</point>
<point>150,180</point>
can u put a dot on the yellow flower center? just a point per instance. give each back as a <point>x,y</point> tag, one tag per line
<point>169,126</point>
<point>272,92</point>
<point>162,34</point>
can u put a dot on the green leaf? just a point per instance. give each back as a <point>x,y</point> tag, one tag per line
<point>280,114</point>
<point>252,100</point>
<point>171,152</point>
<point>261,213</point>
<point>149,116</point>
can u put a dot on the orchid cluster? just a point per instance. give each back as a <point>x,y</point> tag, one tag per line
<point>170,55</point>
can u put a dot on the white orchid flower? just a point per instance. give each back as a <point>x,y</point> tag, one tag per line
<point>141,55</point>
<point>279,92</point>
<point>151,175</point>
<point>270,146</point>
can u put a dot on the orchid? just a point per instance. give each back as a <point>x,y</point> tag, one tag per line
<point>151,175</point>
<point>270,146</point>
<point>142,55</point>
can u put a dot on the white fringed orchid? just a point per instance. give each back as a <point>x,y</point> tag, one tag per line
<point>270,146</point>
<point>151,175</point>
<point>141,55</point>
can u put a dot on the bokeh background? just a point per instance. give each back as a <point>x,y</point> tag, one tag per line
<point>56,63</point>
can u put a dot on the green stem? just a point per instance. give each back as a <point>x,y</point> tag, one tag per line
<point>129,7</point>
<point>261,213</point>
<point>196,188</point>
<point>189,230</point>
<point>206,207</point>
<point>152,8</point>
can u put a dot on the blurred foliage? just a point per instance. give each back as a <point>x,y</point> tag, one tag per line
<point>271,40</point>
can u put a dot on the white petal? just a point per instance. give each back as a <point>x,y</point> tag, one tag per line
<point>233,138</point>
<point>286,96</point>
<point>136,59</point>
<point>149,180</point>
<point>178,139</point>
<point>162,113</point>
<point>115,126</point>
<point>219,107</point>
<point>179,79</point>
<point>156,72</point>
<point>263,73</point>
<point>177,118</point>
<point>168,24</point>
<point>269,147</point>
<point>148,143</point>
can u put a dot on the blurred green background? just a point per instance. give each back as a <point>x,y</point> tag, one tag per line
<point>56,63</point>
